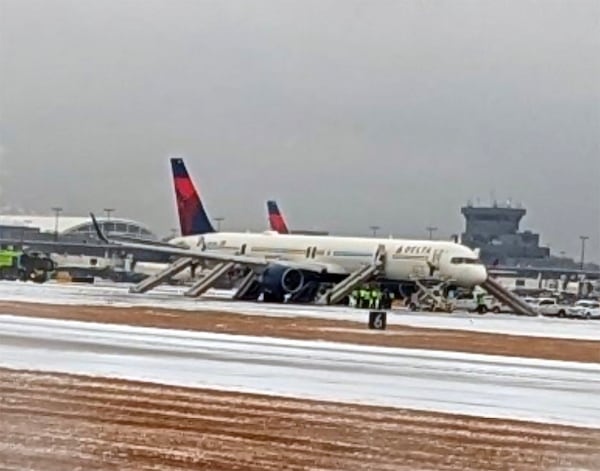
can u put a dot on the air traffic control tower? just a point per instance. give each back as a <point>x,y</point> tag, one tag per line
<point>495,231</point>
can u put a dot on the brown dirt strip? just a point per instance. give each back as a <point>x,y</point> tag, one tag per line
<point>56,422</point>
<point>320,329</point>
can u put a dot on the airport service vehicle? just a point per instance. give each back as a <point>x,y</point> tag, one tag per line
<point>25,266</point>
<point>469,301</point>
<point>585,309</point>
<point>549,307</point>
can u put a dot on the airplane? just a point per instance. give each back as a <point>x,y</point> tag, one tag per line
<point>286,264</point>
<point>277,222</point>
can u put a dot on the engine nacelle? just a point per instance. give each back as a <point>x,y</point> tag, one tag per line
<point>279,280</point>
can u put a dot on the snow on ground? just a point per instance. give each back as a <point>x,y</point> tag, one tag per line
<point>170,297</point>
<point>478,385</point>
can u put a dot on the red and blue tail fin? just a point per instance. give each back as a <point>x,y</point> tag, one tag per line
<point>276,220</point>
<point>193,219</point>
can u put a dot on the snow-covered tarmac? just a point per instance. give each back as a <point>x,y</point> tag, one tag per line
<point>117,295</point>
<point>479,385</point>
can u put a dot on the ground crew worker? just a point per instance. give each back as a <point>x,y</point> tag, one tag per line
<point>481,307</point>
<point>413,301</point>
<point>355,297</point>
<point>368,297</point>
<point>364,297</point>
<point>375,297</point>
<point>378,295</point>
<point>385,302</point>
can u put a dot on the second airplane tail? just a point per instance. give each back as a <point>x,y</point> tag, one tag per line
<point>276,220</point>
<point>193,219</point>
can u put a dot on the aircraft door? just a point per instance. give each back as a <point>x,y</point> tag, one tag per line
<point>434,262</point>
<point>311,251</point>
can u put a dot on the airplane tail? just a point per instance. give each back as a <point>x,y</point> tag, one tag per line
<point>193,219</point>
<point>276,220</point>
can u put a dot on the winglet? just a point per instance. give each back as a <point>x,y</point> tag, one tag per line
<point>98,229</point>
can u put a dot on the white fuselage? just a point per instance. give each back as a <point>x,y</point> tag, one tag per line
<point>405,259</point>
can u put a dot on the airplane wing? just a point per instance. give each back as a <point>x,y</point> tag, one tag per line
<point>215,256</point>
<point>168,249</point>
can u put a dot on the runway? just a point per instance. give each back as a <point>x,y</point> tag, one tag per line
<point>170,297</point>
<point>535,390</point>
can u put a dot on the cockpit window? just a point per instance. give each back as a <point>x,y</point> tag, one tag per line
<point>463,260</point>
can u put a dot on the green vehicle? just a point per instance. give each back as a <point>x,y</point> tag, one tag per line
<point>24,266</point>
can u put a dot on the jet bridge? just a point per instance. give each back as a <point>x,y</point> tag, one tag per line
<point>367,272</point>
<point>506,297</point>
<point>154,280</point>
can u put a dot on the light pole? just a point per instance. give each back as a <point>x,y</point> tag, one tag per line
<point>219,220</point>
<point>431,230</point>
<point>583,239</point>
<point>374,229</point>
<point>57,210</point>
<point>108,211</point>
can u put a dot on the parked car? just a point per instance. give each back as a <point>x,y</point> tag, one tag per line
<point>585,309</point>
<point>549,307</point>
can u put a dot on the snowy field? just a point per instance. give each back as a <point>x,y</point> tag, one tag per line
<point>169,297</point>
<point>479,385</point>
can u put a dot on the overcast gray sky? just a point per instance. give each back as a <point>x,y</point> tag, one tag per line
<point>350,113</point>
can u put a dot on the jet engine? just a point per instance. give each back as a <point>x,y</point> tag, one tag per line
<point>279,280</point>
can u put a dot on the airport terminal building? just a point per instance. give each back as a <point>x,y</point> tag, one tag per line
<point>74,235</point>
<point>68,228</point>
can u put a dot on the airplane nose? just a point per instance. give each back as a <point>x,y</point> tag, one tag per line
<point>479,274</point>
<point>473,275</point>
